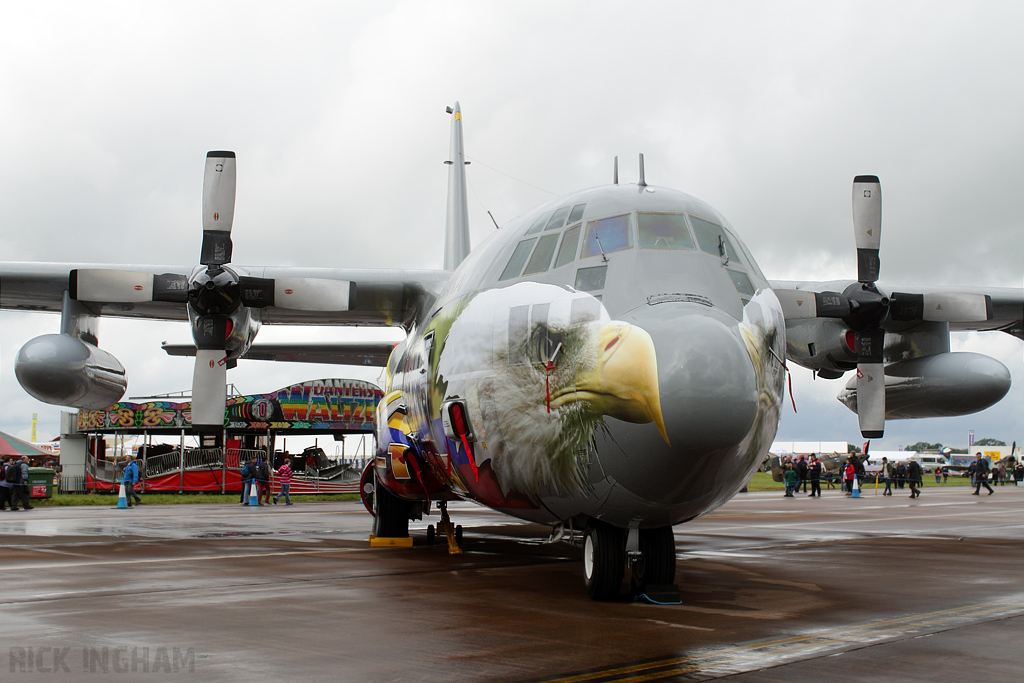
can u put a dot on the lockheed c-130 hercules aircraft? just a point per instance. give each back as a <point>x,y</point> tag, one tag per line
<point>612,361</point>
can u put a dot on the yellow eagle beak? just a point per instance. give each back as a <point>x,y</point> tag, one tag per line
<point>624,383</point>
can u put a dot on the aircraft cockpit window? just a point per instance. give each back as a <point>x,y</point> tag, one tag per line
<point>664,231</point>
<point>591,279</point>
<point>541,258</point>
<point>558,219</point>
<point>607,235</point>
<point>567,252</point>
<point>519,256</point>
<point>538,224</point>
<point>577,213</point>
<point>741,282</point>
<point>713,239</point>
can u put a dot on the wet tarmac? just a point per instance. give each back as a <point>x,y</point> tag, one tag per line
<point>773,589</point>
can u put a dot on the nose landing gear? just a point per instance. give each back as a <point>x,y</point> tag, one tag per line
<point>650,553</point>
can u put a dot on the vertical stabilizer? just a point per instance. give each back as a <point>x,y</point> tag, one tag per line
<point>456,229</point>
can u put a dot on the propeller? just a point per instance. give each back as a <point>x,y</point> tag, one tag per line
<point>218,299</point>
<point>864,308</point>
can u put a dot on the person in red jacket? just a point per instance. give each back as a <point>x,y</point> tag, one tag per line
<point>286,482</point>
<point>851,472</point>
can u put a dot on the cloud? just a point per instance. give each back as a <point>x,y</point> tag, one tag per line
<point>766,111</point>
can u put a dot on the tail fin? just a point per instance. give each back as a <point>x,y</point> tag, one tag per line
<point>456,229</point>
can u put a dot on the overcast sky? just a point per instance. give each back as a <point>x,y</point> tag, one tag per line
<point>336,112</point>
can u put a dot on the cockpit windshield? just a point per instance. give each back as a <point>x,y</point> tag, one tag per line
<point>664,231</point>
<point>607,235</point>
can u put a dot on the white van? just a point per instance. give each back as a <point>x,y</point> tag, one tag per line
<point>929,461</point>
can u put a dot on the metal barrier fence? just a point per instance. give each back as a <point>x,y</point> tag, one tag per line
<point>70,484</point>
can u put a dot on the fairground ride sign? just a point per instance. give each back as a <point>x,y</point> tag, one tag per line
<point>321,405</point>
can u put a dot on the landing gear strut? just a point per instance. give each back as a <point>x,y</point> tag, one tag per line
<point>451,531</point>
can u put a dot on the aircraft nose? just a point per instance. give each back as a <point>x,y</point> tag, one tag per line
<point>706,379</point>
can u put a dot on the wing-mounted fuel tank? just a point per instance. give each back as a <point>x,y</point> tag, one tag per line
<point>942,385</point>
<point>68,369</point>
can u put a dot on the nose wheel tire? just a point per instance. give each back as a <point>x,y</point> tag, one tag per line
<point>658,566</point>
<point>604,560</point>
<point>430,534</point>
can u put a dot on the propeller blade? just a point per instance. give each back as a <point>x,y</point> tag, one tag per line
<point>867,225</point>
<point>256,292</point>
<point>126,286</point>
<point>798,303</point>
<point>870,399</point>
<point>210,332</point>
<point>209,388</point>
<point>313,294</point>
<point>941,307</point>
<point>218,208</point>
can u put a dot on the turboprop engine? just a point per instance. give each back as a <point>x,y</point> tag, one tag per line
<point>943,385</point>
<point>62,370</point>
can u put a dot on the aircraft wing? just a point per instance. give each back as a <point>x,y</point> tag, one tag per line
<point>376,296</point>
<point>1006,314</point>
<point>372,354</point>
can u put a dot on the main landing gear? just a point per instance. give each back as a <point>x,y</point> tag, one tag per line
<point>651,554</point>
<point>390,513</point>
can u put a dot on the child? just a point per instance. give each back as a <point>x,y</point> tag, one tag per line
<point>790,478</point>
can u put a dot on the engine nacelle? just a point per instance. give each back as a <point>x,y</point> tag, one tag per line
<point>943,385</point>
<point>64,371</point>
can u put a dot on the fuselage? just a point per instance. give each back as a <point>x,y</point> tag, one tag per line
<point>617,355</point>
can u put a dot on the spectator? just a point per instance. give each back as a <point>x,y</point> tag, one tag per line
<point>790,477</point>
<point>981,475</point>
<point>850,473</point>
<point>286,482</point>
<point>886,472</point>
<point>901,474</point>
<point>19,485</point>
<point>248,474</point>
<point>801,473</point>
<point>814,474</point>
<point>263,482</point>
<point>914,477</point>
<point>5,487</point>
<point>130,479</point>
<point>1001,473</point>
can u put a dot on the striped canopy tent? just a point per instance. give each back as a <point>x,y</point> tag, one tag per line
<point>13,446</point>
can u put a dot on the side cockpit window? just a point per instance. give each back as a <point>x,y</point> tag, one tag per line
<point>567,250</point>
<point>539,224</point>
<point>663,231</point>
<point>519,256</point>
<point>713,239</point>
<point>541,258</point>
<point>557,219</point>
